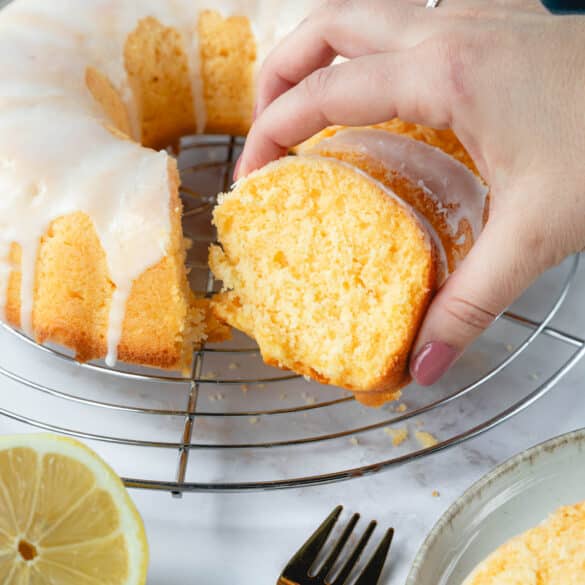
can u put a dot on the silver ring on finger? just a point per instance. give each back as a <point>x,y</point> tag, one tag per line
<point>432,3</point>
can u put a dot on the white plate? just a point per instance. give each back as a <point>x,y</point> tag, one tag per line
<point>513,497</point>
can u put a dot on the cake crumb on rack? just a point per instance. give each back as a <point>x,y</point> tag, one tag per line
<point>425,439</point>
<point>307,379</point>
<point>354,441</point>
<point>398,435</point>
<point>244,387</point>
<point>253,420</point>
<point>401,407</point>
<point>283,396</point>
<point>261,386</point>
<point>233,366</point>
<point>211,398</point>
<point>210,375</point>
<point>509,347</point>
<point>534,376</point>
<point>436,494</point>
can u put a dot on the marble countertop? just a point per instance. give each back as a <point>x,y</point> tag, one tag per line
<point>245,538</point>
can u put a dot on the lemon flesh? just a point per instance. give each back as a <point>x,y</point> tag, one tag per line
<point>65,517</point>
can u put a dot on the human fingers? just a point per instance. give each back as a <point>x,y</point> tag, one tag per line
<point>341,27</point>
<point>412,85</point>
<point>502,264</point>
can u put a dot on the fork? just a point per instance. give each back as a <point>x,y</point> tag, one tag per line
<point>297,571</point>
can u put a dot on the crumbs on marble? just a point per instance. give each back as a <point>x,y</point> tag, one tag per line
<point>436,494</point>
<point>233,366</point>
<point>244,387</point>
<point>398,435</point>
<point>253,420</point>
<point>425,439</point>
<point>354,441</point>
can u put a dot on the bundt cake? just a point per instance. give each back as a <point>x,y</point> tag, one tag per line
<point>329,258</point>
<point>552,553</point>
<point>91,249</point>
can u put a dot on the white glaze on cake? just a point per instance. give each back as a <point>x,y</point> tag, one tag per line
<point>458,193</point>
<point>56,155</point>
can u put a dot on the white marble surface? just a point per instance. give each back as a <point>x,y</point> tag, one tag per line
<point>221,539</point>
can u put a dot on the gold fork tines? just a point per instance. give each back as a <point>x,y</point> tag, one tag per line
<point>298,569</point>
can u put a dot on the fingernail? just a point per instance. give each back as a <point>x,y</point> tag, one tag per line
<point>237,168</point>
<point>432,361</point>
<point>255,112</point>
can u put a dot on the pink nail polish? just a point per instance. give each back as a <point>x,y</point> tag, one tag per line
<point>432,361</point>
<point>237,168</point>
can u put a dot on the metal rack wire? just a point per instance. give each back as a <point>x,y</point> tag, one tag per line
<point>206,164</point>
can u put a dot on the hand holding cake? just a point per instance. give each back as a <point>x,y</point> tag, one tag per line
<point>508,78</point>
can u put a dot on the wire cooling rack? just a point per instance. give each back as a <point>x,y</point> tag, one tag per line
<point>237,425</point>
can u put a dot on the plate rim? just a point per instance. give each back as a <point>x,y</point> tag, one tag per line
<point>461,503</point>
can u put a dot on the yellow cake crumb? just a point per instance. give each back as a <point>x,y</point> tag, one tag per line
<point>436,493</point>
<point>233,366</point>
<point>253,420</point>
<point>401,407</point>
<point>398,435</point>
<point>425,439</point>
<point>354,441</point>
<point>244,387</point>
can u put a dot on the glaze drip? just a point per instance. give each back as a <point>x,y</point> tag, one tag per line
<point>57,156</point>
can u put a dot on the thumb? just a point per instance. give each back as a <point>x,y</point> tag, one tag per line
<point>496,271</point>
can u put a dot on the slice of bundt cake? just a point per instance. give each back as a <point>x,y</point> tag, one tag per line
<point>328,270</point>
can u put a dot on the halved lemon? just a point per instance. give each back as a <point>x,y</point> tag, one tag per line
<point>65,517</point>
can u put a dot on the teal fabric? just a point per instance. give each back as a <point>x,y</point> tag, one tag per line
<point>565,6</point>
